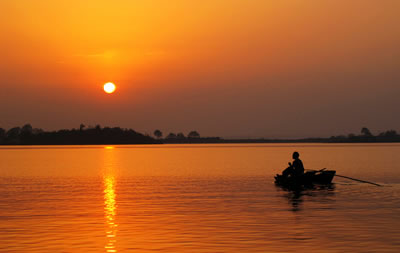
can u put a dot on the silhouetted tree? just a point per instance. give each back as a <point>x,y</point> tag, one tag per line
<point>365,131</point>
<point>81,127</point>
<point>12,135</point>
<point>2,134</point>
<point>180,136</point>
<point>37,131</point>
<point>26,134</point>
<point>389,136</point>
<point>171,136</point>
<point>26,129</point>
<point>390,133</point>
<point>193,134</point>
<point>158,134</point>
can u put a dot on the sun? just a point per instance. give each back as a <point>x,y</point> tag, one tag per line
<point>109,87</point>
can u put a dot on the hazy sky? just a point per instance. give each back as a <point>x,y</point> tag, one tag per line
<point>230,68</point>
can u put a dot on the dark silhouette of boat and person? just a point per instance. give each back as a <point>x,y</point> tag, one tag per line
<point>295,176</point>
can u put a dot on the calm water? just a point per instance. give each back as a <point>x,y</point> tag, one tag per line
<point>196,198</point>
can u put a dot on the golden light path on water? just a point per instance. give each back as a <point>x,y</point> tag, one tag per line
<point>110,205</point>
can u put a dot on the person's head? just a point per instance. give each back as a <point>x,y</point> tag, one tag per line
<point>295,155</point>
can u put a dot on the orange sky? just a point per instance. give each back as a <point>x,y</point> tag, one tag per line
<point>231,68</point>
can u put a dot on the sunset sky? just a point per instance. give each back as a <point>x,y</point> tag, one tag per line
<point>230,68</point>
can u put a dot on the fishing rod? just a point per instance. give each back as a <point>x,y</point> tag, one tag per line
<point>362,181</point>
<point>355,179</point>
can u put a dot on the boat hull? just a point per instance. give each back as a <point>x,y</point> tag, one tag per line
<point>307,179</point>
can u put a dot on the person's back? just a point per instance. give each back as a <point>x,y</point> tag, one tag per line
<point>298,167</point>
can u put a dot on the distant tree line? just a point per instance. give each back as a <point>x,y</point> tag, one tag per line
<point>27,135</point>
<point>192,137</point>
<point>367,136</point>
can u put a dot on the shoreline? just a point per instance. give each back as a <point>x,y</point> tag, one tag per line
<point>203,142</point>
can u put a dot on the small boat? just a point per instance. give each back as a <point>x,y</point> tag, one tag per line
<point>310,178</point>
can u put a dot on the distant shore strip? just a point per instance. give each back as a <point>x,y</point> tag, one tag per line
<point>27,135</point>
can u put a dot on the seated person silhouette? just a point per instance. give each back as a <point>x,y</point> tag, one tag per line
<point>296,169</point>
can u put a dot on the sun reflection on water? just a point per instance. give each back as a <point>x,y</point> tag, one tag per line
<point>110,208</point>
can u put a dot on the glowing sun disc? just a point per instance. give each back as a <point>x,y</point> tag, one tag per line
<point>109,88</point>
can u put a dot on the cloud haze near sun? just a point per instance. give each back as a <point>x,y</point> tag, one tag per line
<point>230,68</point>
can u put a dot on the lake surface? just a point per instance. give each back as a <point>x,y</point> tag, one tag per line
<point>196,198</point>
